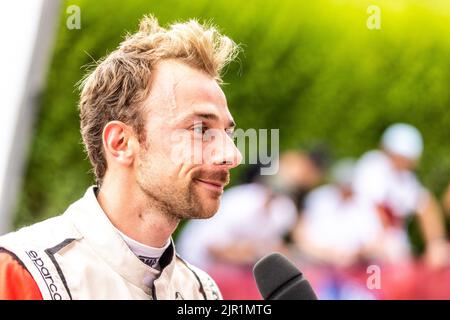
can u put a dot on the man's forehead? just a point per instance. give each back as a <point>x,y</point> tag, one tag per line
<point>178,89</point>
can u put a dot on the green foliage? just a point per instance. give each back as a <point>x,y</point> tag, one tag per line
<point>310,68</point>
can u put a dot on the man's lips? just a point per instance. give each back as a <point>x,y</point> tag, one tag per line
<point>214,185</point>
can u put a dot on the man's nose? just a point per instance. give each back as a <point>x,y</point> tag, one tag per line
<point>225,152</point>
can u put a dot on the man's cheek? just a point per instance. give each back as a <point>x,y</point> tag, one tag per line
<point>185,150</point>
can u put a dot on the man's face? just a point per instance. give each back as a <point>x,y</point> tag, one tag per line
<point>178,168</point>
<point>401,162</point>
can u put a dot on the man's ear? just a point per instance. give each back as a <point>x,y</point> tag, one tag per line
<point>119,143</point>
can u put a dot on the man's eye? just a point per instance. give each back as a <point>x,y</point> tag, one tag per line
<point>198,130</point>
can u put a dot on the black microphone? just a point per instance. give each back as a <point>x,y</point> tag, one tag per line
<point>278,278</point>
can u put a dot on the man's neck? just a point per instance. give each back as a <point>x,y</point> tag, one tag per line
<point>130,211</point>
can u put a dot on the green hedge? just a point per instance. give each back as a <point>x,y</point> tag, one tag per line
<point>310,68</point>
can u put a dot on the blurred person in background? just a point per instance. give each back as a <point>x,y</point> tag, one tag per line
<point>446,200</point>
<point>300,172</point>
<point>386,178</point>
<point>337,228</point>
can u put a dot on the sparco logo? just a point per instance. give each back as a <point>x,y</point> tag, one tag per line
<point>45,273</point>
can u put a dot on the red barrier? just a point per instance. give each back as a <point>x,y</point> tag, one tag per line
<point>406,281</point>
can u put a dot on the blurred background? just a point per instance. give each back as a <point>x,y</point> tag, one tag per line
<point>360,204</point>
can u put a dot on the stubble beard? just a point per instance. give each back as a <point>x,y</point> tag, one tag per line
<point>175,198</point>
<point>172,198</point>
<point>172,202</point>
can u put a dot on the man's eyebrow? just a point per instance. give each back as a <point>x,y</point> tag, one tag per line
<point>212,116</point>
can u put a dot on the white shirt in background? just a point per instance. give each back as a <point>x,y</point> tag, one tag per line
<point>378,181</point>
<point>332,223</point>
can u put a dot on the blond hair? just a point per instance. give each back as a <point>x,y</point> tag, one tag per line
<point>119,84</point>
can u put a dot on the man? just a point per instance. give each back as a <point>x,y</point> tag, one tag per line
<point>385,178</point>
<point>141,109</point>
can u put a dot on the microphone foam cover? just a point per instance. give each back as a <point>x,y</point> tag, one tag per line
<point>278,278</point>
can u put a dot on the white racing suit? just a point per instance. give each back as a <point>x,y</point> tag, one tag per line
<point>80,255</point>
